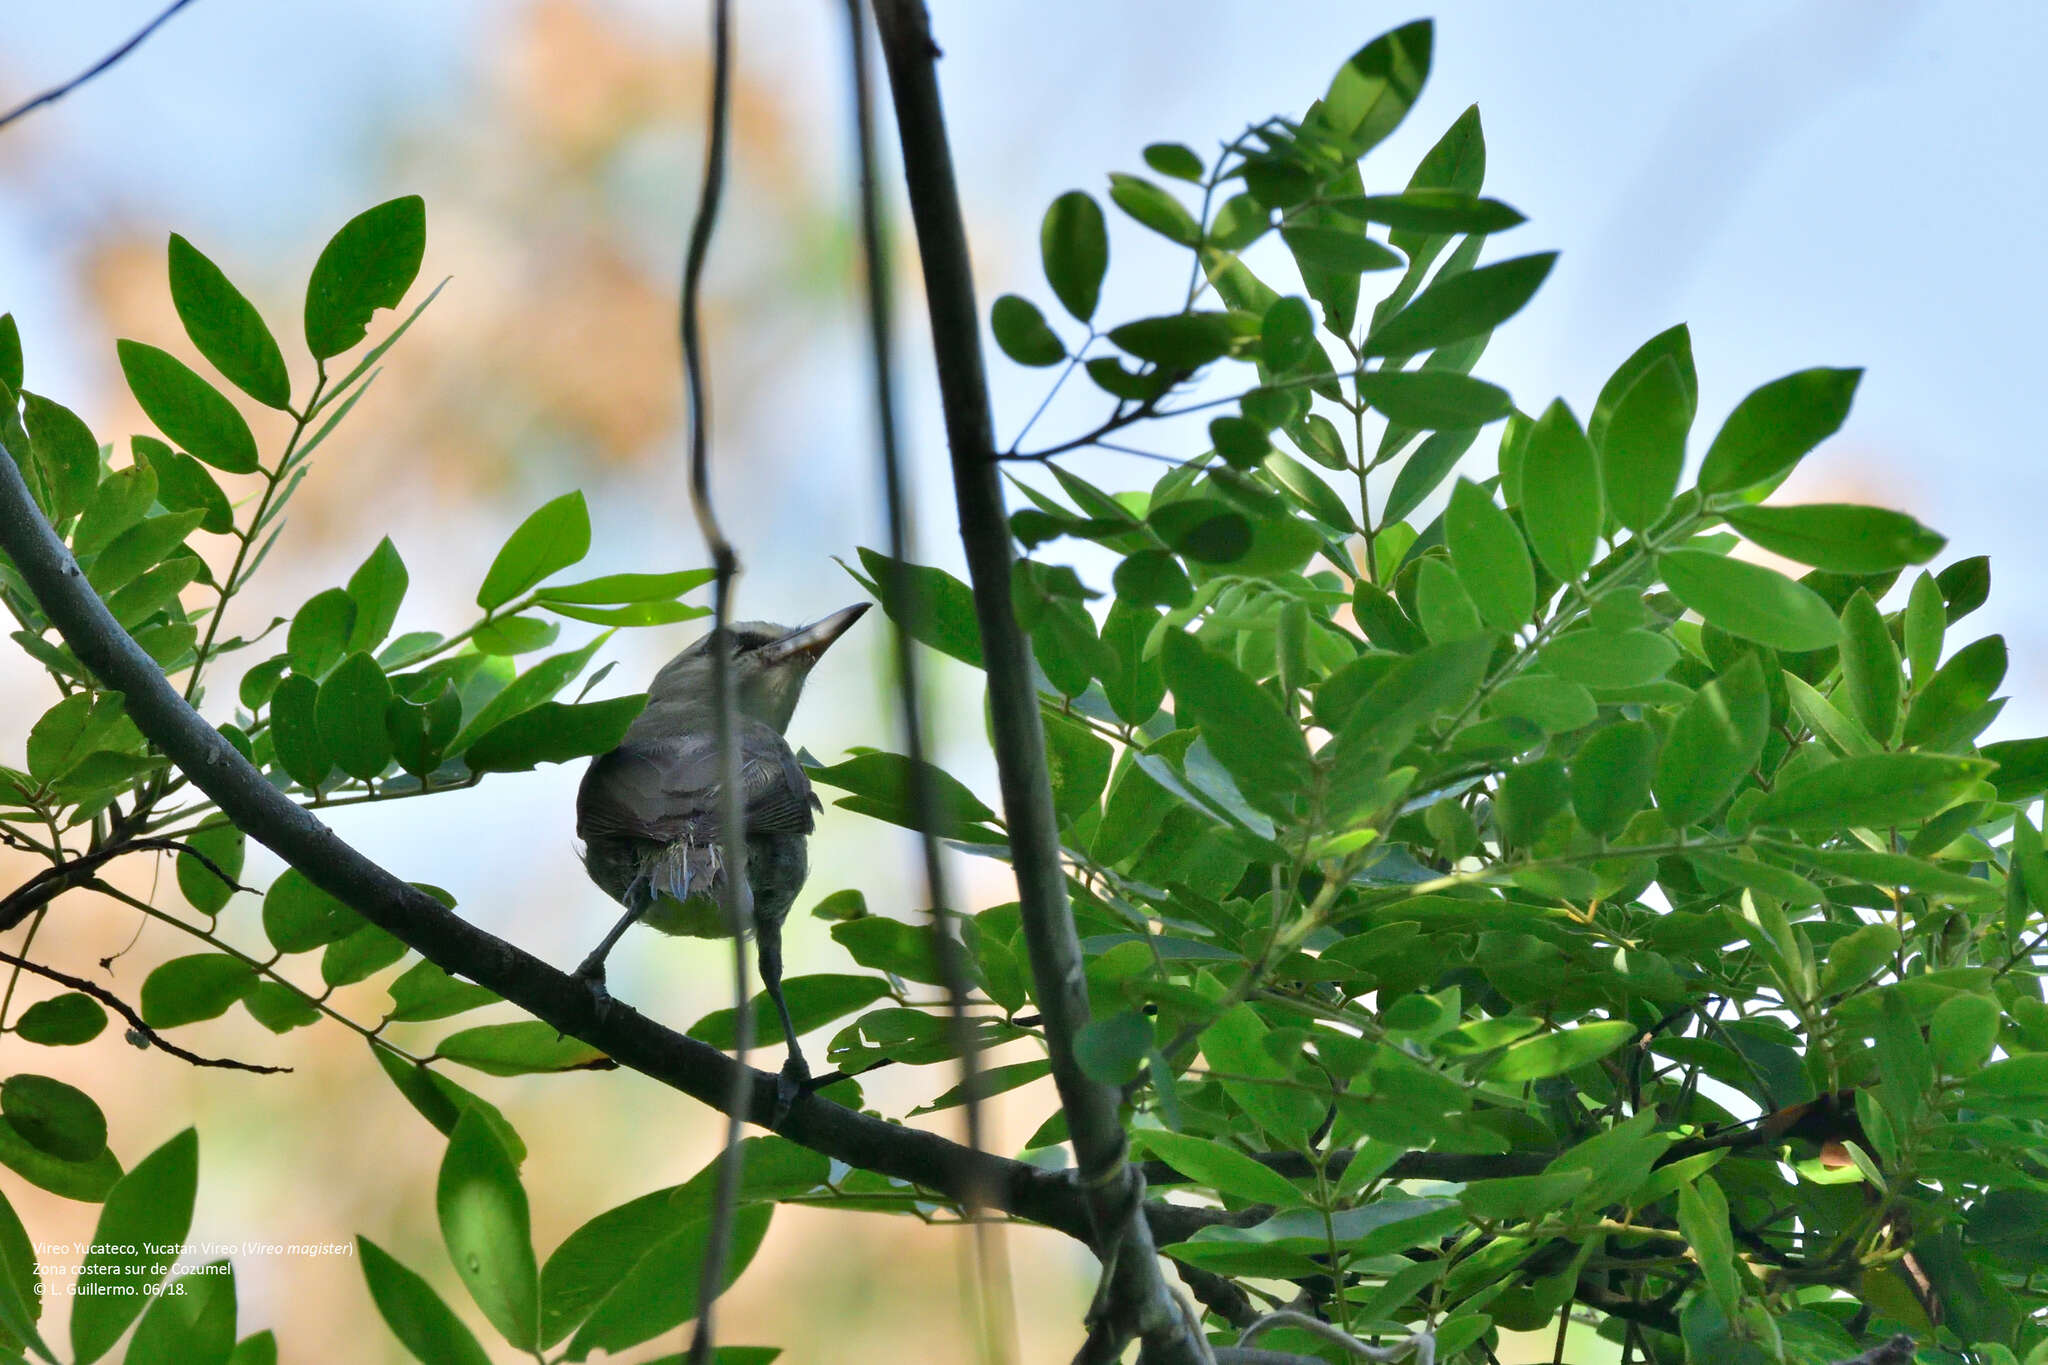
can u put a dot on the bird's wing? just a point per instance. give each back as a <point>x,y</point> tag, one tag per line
<point>662,788</point>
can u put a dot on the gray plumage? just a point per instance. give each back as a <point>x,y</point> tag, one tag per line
<point>648,811</point>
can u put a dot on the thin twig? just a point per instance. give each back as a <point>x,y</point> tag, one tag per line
<point>995,1319</point>
<point>58,92</point>
<point>52,882</point>
<point>734,893</point>
<point>121,1007</point>
<point>1421,1346</point>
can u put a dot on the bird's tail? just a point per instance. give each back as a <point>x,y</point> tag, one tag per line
<point>682,869</point>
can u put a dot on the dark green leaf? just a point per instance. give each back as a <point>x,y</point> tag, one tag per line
<point>660,1292</point>
<point>117,504</point>
<point>1433,399</point>
<point>187,409</point>
<point>1552,1054</point>
<point>360,956</point>
<point>149,1206</point>
<point>64,448</point>
<point>226,327</point>
<point>200,986</point>
<point>1872,790</point>
<point>554,732</point>
<point>1155,208</point>
<point>1373,91</point>
<point>1421,472</point>
<point>1074,246</point>
<point>1152,578</point>
<point>202,887</point>
<point>1840,537</point>
<point>367,265</point>
<point>425,1325</point>
<point>1244,727</point>
<point>1431,211</point>
<point>881,786</point>
<point>299,917</point>
<point>10,352</point>
<point>53,1117</point>
<point>1775,426</point>
<point>1611,776</point>
<point>426,991</point>
<point>183,485</point>
<point>487,1230</point>
<point>554,537</point>
<point>1643,448</point>
<point>1178,341</point>
<point>62,1021</point>
<point>1750,600</point>
<point>1336,251</point>
<point>1528,796</point>
<point>87,1181</point>
<point>295,730</point>
<point>1021,331</point>
<point>931,605</point>
<point>191,1323</point>
<point>814,1001</point>
<point>320,632</point>
<point>376,587</point>
<point>350,715</point>
<point>1208,530</point>
<point>1466,305</point>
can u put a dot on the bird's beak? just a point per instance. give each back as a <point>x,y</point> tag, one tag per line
<point>812,640</point>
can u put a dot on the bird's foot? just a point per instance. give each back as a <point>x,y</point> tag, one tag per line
<point>591,974</point>
<point>791,1084</point>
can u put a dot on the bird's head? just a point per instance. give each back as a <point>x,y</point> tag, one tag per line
<point>769,665</point>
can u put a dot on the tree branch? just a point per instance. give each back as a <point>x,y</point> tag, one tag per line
<point>58,92</point>
<point>122,1008</point>
<point>1139,1297</point>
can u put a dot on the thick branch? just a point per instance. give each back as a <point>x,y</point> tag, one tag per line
<point>1140,1299</point>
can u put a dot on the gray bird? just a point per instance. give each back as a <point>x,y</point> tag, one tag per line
<point>648,811</point>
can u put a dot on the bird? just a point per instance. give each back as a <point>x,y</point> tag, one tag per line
<point>647,812</point>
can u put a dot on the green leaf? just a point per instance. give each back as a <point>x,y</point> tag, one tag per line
<point>1446,610</point>
<point>1528,796</point>
<point>199,986</point>
<point>425,1325</point>
<point>1373,91</point>
<point>488,1232</point>
<point>1948,701</point>
<point>627,588</point>
<point>258,1348</point>
<point>1750,600</point>
<point>519,1049</point>
<point>1020,329</point>
<point>1856,956</point>
<point>1598,658</point>
<point>1074,245</point>
<point>1870,790</point>
<point>1155,208</point>
<point>1429,400</point>
<point>506,636</point>
<point>10,352</point>
<point>1642,452</point>
<point>1235,1045</point>
<point>660,1292</point>
<point>881,786</point>
<point>1177,341</point>
<point>425,990</point>
<point>1926,622</point>
<point>1421,472</point>
<point>1703,1218</point>
<point>1673,342</point>
<point>226,327</point>
<point>1208,530</point>
<point>187,409</point>
<point>149,1206</point>
<point>1775,426</point>
<point>1611,776</point>
<point>1870,668</point>
<point>1171,158</point>
<point>1492,562</point>
<point>64,447</point>
<point>1963,1032</point>
<point>420,734</point>
<point>1713,743</point>
<point>1561,497</point>
<point>1336,251</point>
<point>1431,211</point>
<point>1223,1169</point>
<point>930,605</point>
<point>554,732</point>
<point>1517,1198</point>
<point>1553,1054</point>
<point>191,1323</point>
<point>350,714</point>
<point>62,1020</point>
<point>74,728</point>
<point>320,632</point>
<point>53,1117</point>
<point>20,1281</point>
<point>117,504</point>
<point>367,265</point>
<point>554,537</point>
<point>183,485</point>
<point>299,917</point>
<point>814,1001</point>
<point>1112,1049</point>
<point>295,730</point>
<point>2024,1076</point>
<point>376,588</point>
<point>278,1007</point>
<point>1469,304</point>
<point>87,1181</point>
<point>1839,537</point>
<point>1242,724</point>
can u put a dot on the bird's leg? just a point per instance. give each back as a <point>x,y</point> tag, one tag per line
<point>592,970</point>
<point>790,1083</point>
